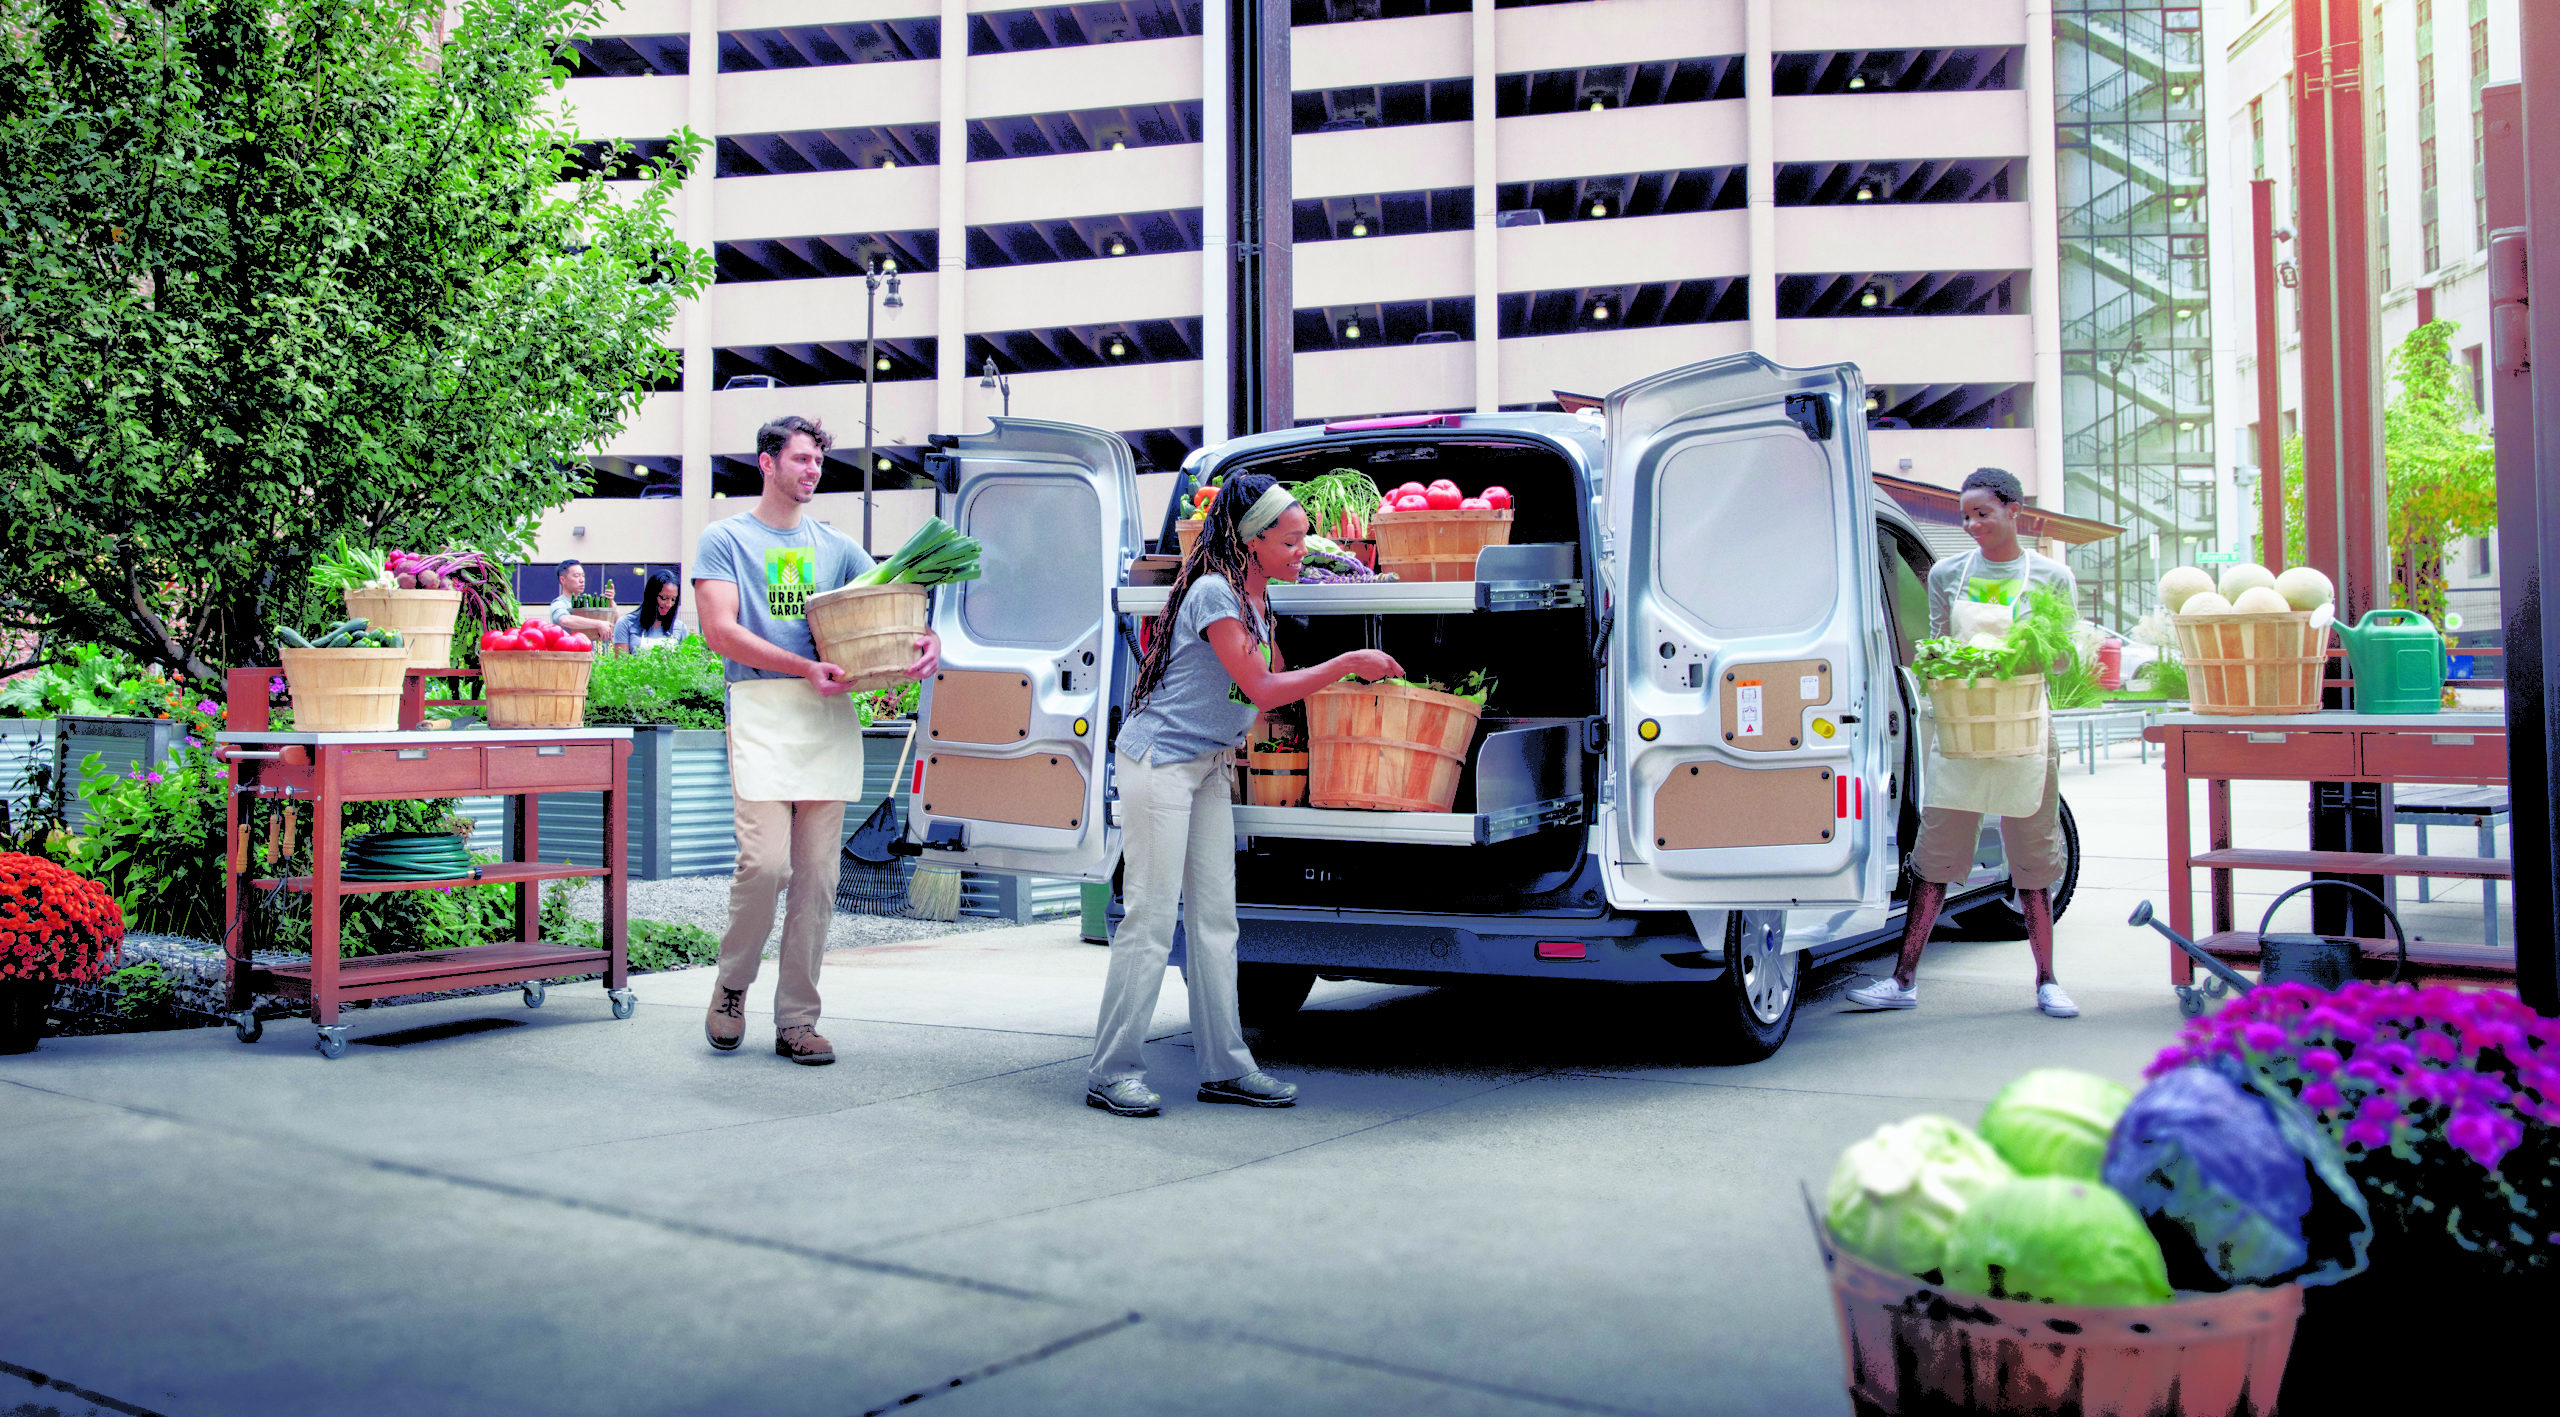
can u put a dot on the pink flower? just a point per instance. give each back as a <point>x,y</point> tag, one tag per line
<point>2434,1046</point>
<point>2323,1061</point>
<point>2373,1123</point>
<point>2262,1037</point>
<point>2479,1137</point>
<point>275,684</point>
<point>2323,1095</point>
<point>151,777</point>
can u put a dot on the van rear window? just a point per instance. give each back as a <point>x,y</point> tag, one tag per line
<point>1745,533</point>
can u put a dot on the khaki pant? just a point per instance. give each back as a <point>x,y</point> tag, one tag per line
<point>2037,857</point>
<point>802,842</point>
<point>1178,847</point>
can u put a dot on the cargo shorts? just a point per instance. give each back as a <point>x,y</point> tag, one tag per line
<point>2037,857</point>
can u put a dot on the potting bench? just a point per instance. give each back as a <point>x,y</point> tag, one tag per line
<point>2467,749</point>
<point>411,763</point>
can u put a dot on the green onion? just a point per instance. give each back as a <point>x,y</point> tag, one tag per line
<point>935,554</point>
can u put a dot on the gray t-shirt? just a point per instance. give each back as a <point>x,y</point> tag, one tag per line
<point>559,610</point>
<point>1968,575</point>
<point>1196,708</point>
<point>776,572</point>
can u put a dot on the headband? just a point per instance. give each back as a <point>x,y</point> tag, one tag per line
<point>1264,513</point>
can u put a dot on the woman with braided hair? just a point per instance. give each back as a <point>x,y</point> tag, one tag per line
<point>1209,668</point>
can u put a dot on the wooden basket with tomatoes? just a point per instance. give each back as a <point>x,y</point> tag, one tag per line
<point>1433,533</point>
<point>1195,515</point>
<point>535,676</point>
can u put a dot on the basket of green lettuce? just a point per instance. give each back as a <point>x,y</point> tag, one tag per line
<point>2086,1249</point>
<point>868,627</point>
<point>1988,692</point>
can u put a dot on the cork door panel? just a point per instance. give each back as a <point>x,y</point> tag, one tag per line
<point>1763,704</point>
<point>1043,790</point>
<point>980,706</point>
<point>1717,805</point>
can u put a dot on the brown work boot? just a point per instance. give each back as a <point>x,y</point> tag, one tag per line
<point>727,1021</point>
<point>801,1044</point>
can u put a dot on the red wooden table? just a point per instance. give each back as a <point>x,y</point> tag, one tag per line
<point>329,770</point>
<point>2466,748</point>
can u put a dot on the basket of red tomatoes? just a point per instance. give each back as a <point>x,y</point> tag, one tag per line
<point>1432,533</point>
<point>535,676</point>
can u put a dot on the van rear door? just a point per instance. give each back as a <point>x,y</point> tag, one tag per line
<point>1745,739</point>
<point>1012,762</point>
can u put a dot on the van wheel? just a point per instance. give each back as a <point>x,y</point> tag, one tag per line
<point>1754,1004</point>
<point>1268,995</point>
<point>1999,918</point>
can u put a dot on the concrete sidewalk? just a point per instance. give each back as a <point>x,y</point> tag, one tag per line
<point>1493,1199</point>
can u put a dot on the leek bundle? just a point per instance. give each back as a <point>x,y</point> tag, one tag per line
<point>935,554</point>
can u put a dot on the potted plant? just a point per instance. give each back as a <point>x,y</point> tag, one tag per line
<point>2446,1104</point>
<point>56,927</point>
<point>1988,691</point>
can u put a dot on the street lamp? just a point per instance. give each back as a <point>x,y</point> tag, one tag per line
<point>1003,385</point>
<point>872,364</point>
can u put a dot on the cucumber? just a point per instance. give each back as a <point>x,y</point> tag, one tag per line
<point>291,639</point>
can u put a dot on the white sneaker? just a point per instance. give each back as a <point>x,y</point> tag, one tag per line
<point>1885,993</point>
<point>2055,1003</point>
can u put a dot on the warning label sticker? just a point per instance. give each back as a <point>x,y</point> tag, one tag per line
<point>1746,706</point>
<point>1809,688</point>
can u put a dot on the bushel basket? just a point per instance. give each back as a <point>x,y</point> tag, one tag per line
<point>424,618</point>
<point>1387,747</point>
<point>536,688</point>
<point>869,631</point>
<point>1437,546</point>
<point>2252,662</point>
<point>1912,1348</point>
<point>1991,718</point>
<point>1275,779</point>
<point>345,690</point>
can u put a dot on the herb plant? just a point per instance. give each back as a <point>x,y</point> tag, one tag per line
<point>679,685</point>
<point>1340,502</point>
<point>2037,641</point>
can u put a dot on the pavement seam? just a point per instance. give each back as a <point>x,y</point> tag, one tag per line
<point>94,1399</point>
<point>1005,1365</point>
<point>1761,1087</point>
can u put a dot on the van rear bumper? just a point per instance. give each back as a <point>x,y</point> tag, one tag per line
<point>1613,948</point>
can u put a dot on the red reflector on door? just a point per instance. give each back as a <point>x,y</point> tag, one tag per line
<point>918,787</point>
<point>1861,795</point>
<point>1560,949</point>
<point>1840,791</point>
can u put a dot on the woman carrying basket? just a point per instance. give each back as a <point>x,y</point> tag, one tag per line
<point>1999,572</point>
<point>1209,668</point>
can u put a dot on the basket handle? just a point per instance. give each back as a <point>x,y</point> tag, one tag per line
<point>2387,913</point>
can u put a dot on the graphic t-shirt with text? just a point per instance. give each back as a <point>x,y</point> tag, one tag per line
<point>776,572</point>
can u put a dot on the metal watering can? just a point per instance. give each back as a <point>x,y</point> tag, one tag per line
<point>2399,662</point>
<point>2322,961</point>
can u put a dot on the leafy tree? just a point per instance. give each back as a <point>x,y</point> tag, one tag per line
<point>2440,470</point>
<point>273,271</point>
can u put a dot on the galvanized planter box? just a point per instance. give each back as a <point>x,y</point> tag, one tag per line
<point>122,745</point>
<point>24,743</point>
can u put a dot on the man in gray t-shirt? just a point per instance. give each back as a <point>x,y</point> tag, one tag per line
<point>776,572</point>
<point>573,582</point>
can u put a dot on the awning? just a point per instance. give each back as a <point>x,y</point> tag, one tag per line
<point>1927,502</point>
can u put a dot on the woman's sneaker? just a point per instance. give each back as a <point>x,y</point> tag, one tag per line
<point>1254,1089</point>
<point>2055,1003</point>
<point>1126,1098</point>
<point>1885,993</point>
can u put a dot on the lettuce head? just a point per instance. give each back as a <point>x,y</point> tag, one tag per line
<point>2052,1240</point>
<point>1895,1195</point>
<point>2055,1122</point>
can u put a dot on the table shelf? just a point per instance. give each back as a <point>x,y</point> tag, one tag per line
<point>1408,828</point>
<point>422,971</point>
<point>2361,863</point>
<point>2428,959</point>
<point>495,873</point>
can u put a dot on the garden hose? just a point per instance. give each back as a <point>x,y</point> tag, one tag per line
<point>407,856</point>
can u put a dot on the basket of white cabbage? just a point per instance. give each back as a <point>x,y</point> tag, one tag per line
<point>2254,642</point>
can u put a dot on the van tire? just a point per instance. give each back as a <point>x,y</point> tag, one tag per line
<point>1752,1005</point>
<point>1268,995</point>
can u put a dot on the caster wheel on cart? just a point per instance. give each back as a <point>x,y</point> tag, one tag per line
<point>247,1026</point>
<point>624,1002</point>
<point>2190,1001</point>
<point>2216,987</point>
<point>332,1043</point>
<point>533,992</point>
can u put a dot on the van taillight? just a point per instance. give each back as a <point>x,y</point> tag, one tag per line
<point>1560,949</point>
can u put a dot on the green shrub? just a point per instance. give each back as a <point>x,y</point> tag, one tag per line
<point>679,685</point>
<point>154,840</point>
<point>649,945</point>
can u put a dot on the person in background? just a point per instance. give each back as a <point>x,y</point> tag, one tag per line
<point>1210,665</point>
<point>1999,570</point>
<point>573,582</point>
<point>654,623</point>
<point>795,742</point>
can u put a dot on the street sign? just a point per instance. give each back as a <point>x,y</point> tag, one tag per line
<point>2218,558</point>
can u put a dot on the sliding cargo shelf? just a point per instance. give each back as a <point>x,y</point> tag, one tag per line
<point>1534,577</point>
<point>1409,828</point>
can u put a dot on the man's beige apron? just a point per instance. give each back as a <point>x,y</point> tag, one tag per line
<point>789,743</point>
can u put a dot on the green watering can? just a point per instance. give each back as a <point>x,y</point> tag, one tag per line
<point>2399,662</point>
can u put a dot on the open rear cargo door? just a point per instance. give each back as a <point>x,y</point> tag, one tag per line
<point>1012,771</point>
<point>1745,746</point>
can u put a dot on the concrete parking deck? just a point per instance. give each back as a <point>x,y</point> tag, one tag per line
<point>1493,1199</point>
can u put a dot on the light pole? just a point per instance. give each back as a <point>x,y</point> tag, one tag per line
<point>1002,384</point>
<point>871,372</point>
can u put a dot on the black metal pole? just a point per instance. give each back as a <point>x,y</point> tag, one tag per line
<point>870,375</point>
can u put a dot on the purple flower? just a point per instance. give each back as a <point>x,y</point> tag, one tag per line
<point>2323,1061</point>
<point>151,777</point>
<point>2262,1037</point>
<point>208,707</point>
<point>2373,1123</point>
<point>275,684</point>
<point>222,772</point>
<point>2323,1095</point>
<point>2479,1136</point>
